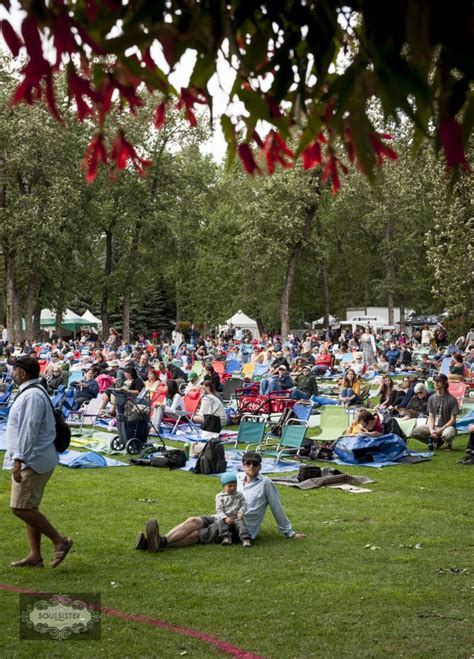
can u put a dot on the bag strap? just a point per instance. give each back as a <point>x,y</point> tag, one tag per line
<point>41,388</point>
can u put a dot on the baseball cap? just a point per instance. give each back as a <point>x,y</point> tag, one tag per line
<point>192,375</point>
<point>28,364</point>
<point>228,478</point>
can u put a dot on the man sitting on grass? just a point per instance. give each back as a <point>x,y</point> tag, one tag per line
<point>259,493</point>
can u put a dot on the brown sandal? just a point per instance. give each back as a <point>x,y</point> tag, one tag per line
<point>60,554</point>
<point>27,562</point>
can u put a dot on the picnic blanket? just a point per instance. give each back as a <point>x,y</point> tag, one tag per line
<point>88,460</point>
<point>98,442</point>
<point>323,481</point>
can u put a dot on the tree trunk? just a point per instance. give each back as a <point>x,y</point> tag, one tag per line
<point>402,313</point>
<point>30,303</point>
<point>104,304</point>
<point>345,272</point>
<point>389,268</point>
<point>3,205</point>
<point>126,316</point>
<point>325,284</point>
<point>59,318</point>
<point>37,333</point>
<point>9,260</point>
<point>132,260</point>
<point>290,272</point>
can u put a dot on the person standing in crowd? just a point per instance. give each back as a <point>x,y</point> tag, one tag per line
<point>32,456</point>
<point>369,349</point>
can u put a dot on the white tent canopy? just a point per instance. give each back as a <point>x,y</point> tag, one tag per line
<point>88,315</point>
<point>243,321</point>
<point>320,321</point>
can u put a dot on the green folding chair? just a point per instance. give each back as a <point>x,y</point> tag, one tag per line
<point>251,431</point>
<point>407,425</point>
<point>290,442</point>
<point>334,422</point>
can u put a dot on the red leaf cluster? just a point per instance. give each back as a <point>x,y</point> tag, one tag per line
<point>248,160</point>
<point>274,151</point>
<point>450,136</point>
<point>94,152</point>
<point>381,150</point>
<point>187,99</point>
<point>122,151</point>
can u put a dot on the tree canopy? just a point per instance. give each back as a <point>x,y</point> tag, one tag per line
<point>308,69</point>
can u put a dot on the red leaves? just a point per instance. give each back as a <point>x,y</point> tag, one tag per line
<point>95,152</point>
<point>160,115</point>
<point>79,87</point>
<point>187,99</point>
<point>31,37</point>
<point>63,40</point>
<point>331,171</point>
<point>248,160</point>
<point>122,151</point>
<point>274,150</point>
<point>12,39</point>
<point>312,154</point>
<point>381,150</point>
<point>450,136</point>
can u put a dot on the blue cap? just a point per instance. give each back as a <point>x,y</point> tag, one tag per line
<point>228,478</point>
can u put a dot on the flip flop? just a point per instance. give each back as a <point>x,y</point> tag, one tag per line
<point>60,554</point>
<point>26,562</point>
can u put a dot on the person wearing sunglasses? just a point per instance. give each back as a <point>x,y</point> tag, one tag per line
<point>259,493</point>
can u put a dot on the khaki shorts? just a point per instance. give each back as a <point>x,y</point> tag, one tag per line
<point>27,495</point>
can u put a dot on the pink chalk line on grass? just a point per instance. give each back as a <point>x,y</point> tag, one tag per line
<point>228,648</point>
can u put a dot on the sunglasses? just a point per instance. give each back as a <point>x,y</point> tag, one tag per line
<point>251,463</point>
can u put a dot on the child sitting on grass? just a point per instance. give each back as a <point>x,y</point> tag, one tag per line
<point>230,510</point>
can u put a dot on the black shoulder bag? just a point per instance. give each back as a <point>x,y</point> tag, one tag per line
<point>62,438</point>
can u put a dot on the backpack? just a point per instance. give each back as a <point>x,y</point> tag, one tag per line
<point>170,458</point>
<point>277,428</point>
<point>212,459</point>
<point>62,438</point>
<point>308,471</point>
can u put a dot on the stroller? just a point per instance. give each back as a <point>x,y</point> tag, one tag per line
<point>133,423</point>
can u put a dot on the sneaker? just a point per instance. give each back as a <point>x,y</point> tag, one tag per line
<point>468,460</point>
<point>141,542</point>
<point>152,531</point>
<point>246,543</point>
<point>227,541</point>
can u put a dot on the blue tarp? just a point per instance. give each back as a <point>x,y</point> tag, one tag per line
<point>88,460</point>
<point>361,450</point>
<point>463,422</point>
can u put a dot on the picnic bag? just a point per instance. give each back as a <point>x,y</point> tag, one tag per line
<point>308,471</point>
<point>211,423</point>
<point>173,458</point>
<point>212,459</point>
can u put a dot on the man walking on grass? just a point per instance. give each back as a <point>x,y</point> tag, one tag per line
<point>259,493</point>
<point>32,456</point>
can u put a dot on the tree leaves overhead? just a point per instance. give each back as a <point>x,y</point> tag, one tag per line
<point>304,68</point>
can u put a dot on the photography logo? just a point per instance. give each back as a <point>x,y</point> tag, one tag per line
<point>72,616</point>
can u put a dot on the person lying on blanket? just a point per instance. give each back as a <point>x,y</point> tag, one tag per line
<point>367,424</point>
<point>259,493</point>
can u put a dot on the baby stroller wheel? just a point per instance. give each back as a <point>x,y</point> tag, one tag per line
<point>116,444</point>
<point>133,446</point>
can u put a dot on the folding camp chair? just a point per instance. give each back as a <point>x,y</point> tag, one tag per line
<point>198,367</point>
<point>230,387</point>
<point>219,367</point>
<point>88,413</point>
<point>407,425</point>
<point>248,369</point>
<point>260,370</point>
<point>458,390</point>
<point>302,410</point>
<point>233,366</point>
<point>74,376</point>
<point>290,443</point>
<point>334,422</point>
<point>251,431</point>
<point>445,364</point>
<point>191,403</point>
<point>5,397</point>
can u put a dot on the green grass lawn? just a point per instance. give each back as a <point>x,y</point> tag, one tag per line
<point>326,596</point>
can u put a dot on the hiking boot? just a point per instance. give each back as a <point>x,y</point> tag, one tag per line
<point>227,541</point>
<point>468,460</point>
<point>152,531</point>
<point>141,542</point>
<point>246,543</point>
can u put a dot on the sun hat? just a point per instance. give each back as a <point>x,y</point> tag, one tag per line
<point>228,478</point>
